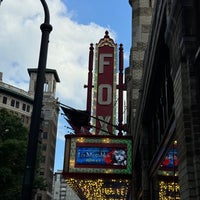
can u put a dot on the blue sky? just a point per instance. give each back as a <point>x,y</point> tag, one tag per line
<point>113,14</point>
<point>76,24</point>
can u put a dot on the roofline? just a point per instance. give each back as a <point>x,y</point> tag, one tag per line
<point>52,71</point>
<point>17,94</point>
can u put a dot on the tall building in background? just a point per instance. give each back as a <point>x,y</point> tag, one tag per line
<point>164,99</point>
<point>50,111</point>
<point>20,102</point>
<point>61,190</point>
<point>17,101</point>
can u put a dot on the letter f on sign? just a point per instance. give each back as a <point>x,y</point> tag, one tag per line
<point>103,62</point>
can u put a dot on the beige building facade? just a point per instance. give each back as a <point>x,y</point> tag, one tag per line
<point>20,103</point>
<point>141,25</point>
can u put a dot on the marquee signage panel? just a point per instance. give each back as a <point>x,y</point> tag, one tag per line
<point>98,163</point>
<point>98,154</point>
<point>107,156</point>
<point>170,161</point>
<point>105,86</point>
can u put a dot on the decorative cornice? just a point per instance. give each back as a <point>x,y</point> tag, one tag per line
<point>106,41</point>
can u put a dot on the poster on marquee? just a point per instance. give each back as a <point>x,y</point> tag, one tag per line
<point>94,155</point>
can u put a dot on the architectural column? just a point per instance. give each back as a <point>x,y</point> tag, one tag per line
<point>141,20</point>
<point>183,117</point>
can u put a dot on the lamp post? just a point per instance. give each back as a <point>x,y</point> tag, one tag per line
<point>27,188</point>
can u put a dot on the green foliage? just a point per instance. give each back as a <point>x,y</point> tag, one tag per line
<point>11,127</point>
<point>13,145</point>
<point>13,149</point>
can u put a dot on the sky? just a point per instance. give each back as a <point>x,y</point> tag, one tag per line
<point>76,24</point>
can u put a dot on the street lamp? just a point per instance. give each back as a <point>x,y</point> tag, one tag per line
<point>27,188</point>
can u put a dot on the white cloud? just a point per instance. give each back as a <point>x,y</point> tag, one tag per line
<point>68,50</point>
<point>20,37</point>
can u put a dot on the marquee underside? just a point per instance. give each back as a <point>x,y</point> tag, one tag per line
<point>100,189</point>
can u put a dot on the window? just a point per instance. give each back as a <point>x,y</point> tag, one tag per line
<point>17,104</point>
<point>45,135</point>
<point>4,100</point>
<point>47,113</point>
<point>24,107</point>
<point>42,173</point>
<point>28,108</point>
<point>44,147</point>
<point>46,124</point>
<point>46,87</point>
<point>150,3</point>
<point>12,103</point>
<point>39,197</point>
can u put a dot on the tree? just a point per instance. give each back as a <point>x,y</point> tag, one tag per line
<point>13,150</point>
<point>13,146</point>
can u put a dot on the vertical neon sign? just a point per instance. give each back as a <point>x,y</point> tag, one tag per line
<point>105,86</point>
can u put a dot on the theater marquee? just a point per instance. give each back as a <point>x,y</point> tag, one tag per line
<point>98,162</point>
<point>98,154</point>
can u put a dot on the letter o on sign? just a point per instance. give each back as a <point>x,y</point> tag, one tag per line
<point>108,89</point>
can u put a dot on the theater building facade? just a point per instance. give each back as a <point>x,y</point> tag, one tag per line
<point>98,153</point>
<point>163,91</point>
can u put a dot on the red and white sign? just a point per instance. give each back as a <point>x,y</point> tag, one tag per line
<point>105,86</point>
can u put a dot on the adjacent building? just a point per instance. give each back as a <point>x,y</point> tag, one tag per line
<point>163,86</point>
<point>141,25</point>
<point>61,190</point>
<point>20,102</point>
<point>17,101</point>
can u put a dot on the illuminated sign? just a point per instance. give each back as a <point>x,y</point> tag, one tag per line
<point>105,86</point>
<point>98,154</point>
<point>98,165</point>
<point>170,162</point>
<point>112,189</point>
<point>169,190</point>
<point>101,156</point>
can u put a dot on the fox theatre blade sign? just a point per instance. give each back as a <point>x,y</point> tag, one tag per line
<point>98,163</point>
<point>105,86</point>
